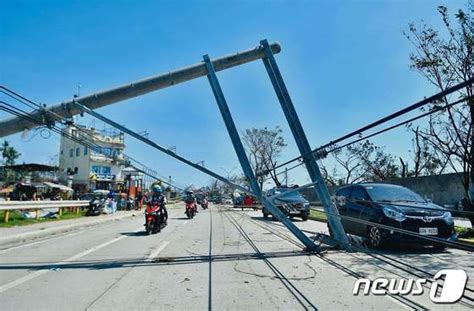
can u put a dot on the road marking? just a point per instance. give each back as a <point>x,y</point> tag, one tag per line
<point>184,223</point>
<point>95,248</point>
<point>158,250</point>
<point>36,274</point>
<point>3,251</point>
<point>22,280</point>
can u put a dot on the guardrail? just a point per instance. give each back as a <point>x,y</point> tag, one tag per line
<point>8,206</point>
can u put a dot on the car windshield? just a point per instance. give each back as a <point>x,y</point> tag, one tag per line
<point>287,193</point>
<point>388,193</point>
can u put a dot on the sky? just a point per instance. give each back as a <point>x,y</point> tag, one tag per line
<point>345,64</point>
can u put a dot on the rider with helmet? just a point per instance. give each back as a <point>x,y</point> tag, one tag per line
<point>158,197</point>
<point>190,199</point>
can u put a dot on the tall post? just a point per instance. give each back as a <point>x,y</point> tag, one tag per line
<point>243,159</point>
<point>303,145</point>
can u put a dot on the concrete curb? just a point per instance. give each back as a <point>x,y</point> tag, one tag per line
<point>42,233</point>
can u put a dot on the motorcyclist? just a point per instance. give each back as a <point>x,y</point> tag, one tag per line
<point>158,197</point>
<point>190,199</point>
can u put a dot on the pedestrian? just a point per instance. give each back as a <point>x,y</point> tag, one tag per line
<point>139,200</point>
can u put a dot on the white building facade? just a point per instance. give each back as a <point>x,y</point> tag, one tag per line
<point>90,169</point>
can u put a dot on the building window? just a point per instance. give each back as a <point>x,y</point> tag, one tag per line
<point>71,153</point>
<point>77,152</point>
<point>76,170</point>
<point>102,170</point>
<point>62,152</point>
<point>97,150</point>
<point>85,150</point>
<point>107,151</point>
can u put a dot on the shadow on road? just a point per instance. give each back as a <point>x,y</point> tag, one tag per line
<point>179,218</point>
<point>134,233</point>
<point>141,262</point>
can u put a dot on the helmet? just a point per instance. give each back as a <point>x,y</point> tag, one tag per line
<point>189,192</point>
<point>156,189</point>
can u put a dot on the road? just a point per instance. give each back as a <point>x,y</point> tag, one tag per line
<point>222,259</point>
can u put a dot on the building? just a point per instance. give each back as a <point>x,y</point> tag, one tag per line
<point>86,169</point>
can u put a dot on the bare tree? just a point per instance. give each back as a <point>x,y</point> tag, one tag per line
<point>362,162</point>
<point>264,147</point>
<point>376,164</point>
<point>445,61</point>
<point>349,161</point>
<point>330,177</point>
<point>426,160</point>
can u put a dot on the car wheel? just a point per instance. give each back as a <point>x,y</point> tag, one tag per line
<point>305,217</point>
<point>374,237</point>
<point>265,215</point>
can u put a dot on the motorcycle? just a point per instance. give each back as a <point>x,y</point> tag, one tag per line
<point>204,204</point>
<point>96,207</point>
<point>153,219</point>
<point>130,203</point>
<point>190,209</point>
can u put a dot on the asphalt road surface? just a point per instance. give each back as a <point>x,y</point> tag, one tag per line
<point>222,259</point>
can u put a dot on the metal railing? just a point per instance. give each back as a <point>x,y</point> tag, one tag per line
<point>8,206</point>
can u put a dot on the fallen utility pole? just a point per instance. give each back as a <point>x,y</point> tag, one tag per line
<point>255,191</point>
<point>304,147</point>
<point>134,89</point>
<point>244,161</point>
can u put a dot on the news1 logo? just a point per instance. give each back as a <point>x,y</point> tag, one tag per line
<point>447,286</point>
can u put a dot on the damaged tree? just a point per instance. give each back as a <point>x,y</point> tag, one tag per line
<point>425,158</point>
<point>445,61</point>
<point>264,147</point>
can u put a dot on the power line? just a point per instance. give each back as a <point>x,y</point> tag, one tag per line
<point>337,148</point>
<point>380,121</point>
<point>12,94</point>
<point>26,116</point>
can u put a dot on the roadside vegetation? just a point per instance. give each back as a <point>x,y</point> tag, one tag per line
<point>16,218</point>
<point>465,234</point>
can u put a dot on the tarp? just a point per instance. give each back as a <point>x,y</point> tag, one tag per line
<point>61,187</point>
<point>100,191</point>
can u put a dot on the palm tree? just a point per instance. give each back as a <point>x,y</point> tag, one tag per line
<point>9,154</point>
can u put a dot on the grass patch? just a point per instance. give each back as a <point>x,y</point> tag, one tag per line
<point>318,216</point>
<point>465,234</point>
<point>17,220</point>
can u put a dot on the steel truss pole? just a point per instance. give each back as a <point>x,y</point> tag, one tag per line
<point>303,145</point>
<point>244,161</point>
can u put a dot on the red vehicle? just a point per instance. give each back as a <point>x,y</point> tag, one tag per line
<point>190,209</point>
<point>153,219</point>
<point>204,203</point>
